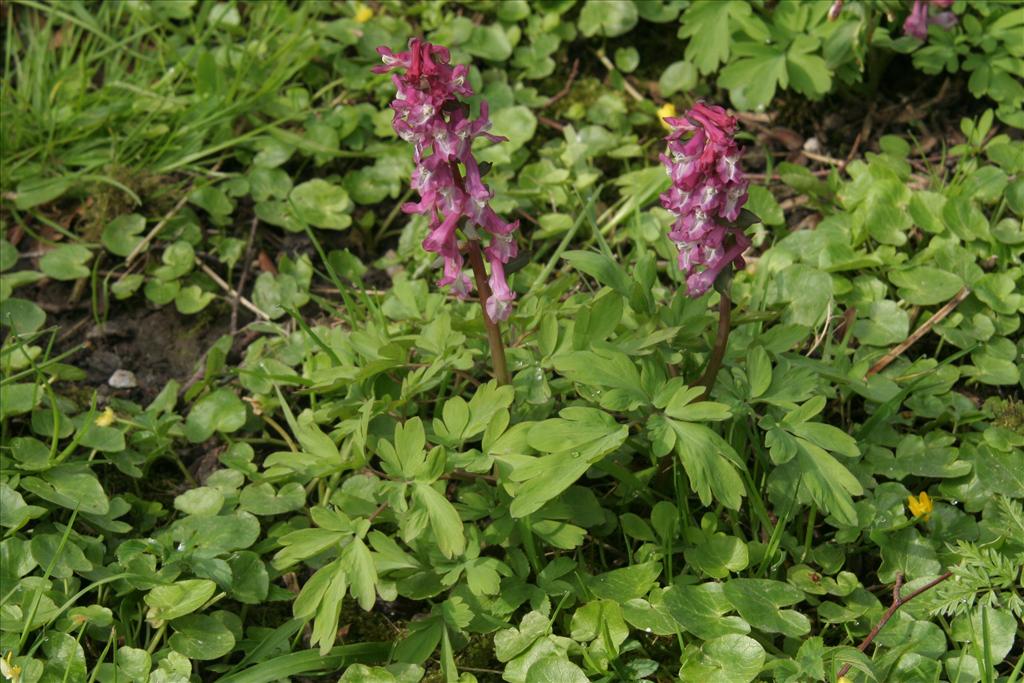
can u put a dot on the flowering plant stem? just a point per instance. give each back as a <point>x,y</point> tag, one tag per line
<point>483,290</point>
<point>707,380</point>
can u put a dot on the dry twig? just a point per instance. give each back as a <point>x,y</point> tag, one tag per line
<point>246,263</point>
<point>897,602</point>
<point>232,293</point>
<point>568,85</point>
<point>936,318</point>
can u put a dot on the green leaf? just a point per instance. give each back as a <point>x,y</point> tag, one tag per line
<point>555,669</point>
<point>709,26</point>
<point>627,583</point>
<point>64,657</point>
<point>758,602</point>
<point>489,42</point>
<point>829,483</point>
<point>8,255</point>
<point>627,59</point>
<point>133,661</point>
<point>444,520</point>
<point>764,206</point>
<point>198,636</point>
<point>926,286</point>
<point>191,299</point>
<point>709,462</point>
<point>362,573</point>
<point>14,512</point>
<point>326,598</point>
<point>518,124</point>
<point>965,220</point>
<point>220,411</point>
<point>804,291</point>
<point>701,610</point>
<point>36,191</point>
<point>886,324</point>
<point>66,262</point>
<point>759,371</point>
<point>178,599</point>
<point>250,581</point>
<point>603,368</point>
<point>808,73</point>
<point>22,316</point>
<point>718,555</point>
<point>127,285</point>
<point>204,501</point>
<point>678,77</point>
<point>19,398</point>
<point>262,499</point>
<point>726,659</point>
<point>70,486</point>
<point>178,260</point>
<point>579,438</point>
<point>213,200</point>
<point>322,204</point>
<point>608,18</point>
<point>752,81</point>
<point>123,234</point>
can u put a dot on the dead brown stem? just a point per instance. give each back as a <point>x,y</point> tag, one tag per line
<point>936,318</point>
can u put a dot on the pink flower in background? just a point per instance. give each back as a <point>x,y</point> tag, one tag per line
<point>708,190</point>
<point>429,114</point>
<point>918,21</point>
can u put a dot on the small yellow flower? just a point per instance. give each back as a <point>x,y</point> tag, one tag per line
<point>106,418</point>
<point>844,679</point>
<point>10,671</point>
<point>920,506</point>
<point>363,14</point>
<point>667,110</point>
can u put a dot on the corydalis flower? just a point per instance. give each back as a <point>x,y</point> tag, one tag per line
<point>918,21</point>
<point>429,114</point>
<point>708,190</point>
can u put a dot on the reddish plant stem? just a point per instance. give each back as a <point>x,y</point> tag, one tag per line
<point>707,380</point>
<point>483,290</point>
<point>897,602</point>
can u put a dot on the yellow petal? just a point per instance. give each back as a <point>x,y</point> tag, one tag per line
<point>363,14</point>
<point>106,418</point>
<point>667,110</point>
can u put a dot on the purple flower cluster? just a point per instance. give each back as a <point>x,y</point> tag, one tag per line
<point>708,190</point>
<point>429,114</point>
<point>918,22</point>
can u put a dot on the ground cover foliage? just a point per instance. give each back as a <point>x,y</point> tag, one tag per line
<point>246,438</point>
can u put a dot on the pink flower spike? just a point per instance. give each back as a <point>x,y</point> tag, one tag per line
<point>499,304</point>
<point>708,191</point>
<point>918,20</point>
<point>429,114</point>
<point>916,24</point>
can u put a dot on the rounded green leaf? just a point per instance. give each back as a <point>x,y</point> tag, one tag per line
<point>8,254</point>
<point>122,234</point>
<point>555,669</point>
<point>178,599</point>
<point>192,299</point>
<point>608,18</point>
<point>322,204</point>
<point>21,316</point>
<point>627,59</point>
<point>926,286</point>
<point>198,636</point>
<point>66,262</point>
<point>678,77</point>
<point>726,659</point>
<point>220,411</point>
<point>204,501</point>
